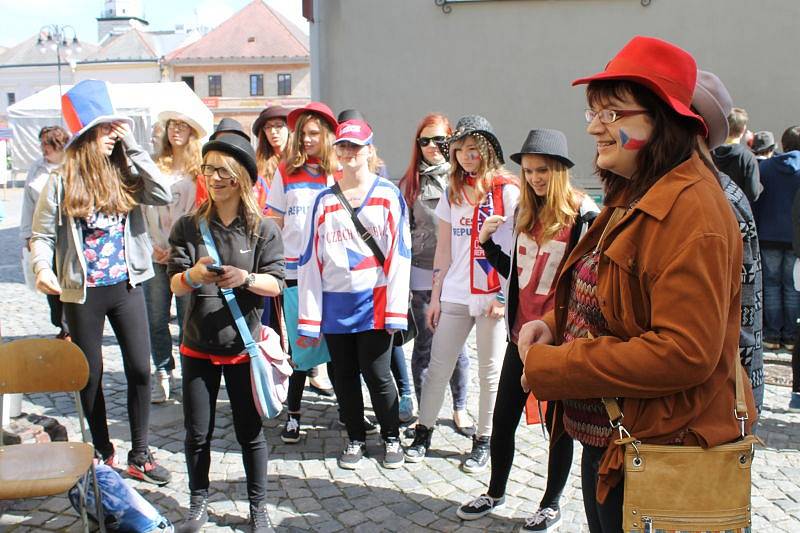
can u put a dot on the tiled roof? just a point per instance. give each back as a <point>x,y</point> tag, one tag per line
<point>255,32</point>
<point>138,45</point>
<point>27,53</point>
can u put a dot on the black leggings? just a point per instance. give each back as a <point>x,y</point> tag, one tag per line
<point>507,412</point>
<point>201,379</point>
<point>602,517</point>
<point>297,383</point>
<point>57,317</point>
<point>127,314</point>
<point>366,353</point>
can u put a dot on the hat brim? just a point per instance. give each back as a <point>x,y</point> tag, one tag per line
<point>99,120</point>
<point>246,160</point>
<point>517,158</point>
<point>715,117</point>
<point>294,115</point>
<point>498,150</point>
<point>353,140</point>
<point>676,105</point>
<point>199,130</point>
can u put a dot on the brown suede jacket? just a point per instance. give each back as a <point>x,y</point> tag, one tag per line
<point>668,286</point>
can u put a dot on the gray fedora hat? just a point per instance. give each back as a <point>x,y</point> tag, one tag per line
<point>713,102</point>
<point>476,124</point>
<point>551,143</point>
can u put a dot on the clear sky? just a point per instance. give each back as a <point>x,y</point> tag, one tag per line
<point>20,19</point>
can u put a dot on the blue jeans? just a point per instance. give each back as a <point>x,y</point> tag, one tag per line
<point>421,356</point>
<point>400,371</point>
<point>781,301</point>
<point>159,297</point>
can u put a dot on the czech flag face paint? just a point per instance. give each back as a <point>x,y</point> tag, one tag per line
<point>630,143</point>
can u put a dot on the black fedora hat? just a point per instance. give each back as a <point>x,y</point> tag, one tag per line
<point>551,143</point>
<point>236,146</point>
<point>350,114</point>
<point>273,111</point>
<point>763,141</point>
<point>229,125</point>
<point>476,124</point>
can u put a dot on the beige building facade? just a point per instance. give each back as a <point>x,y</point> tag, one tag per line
<point>513,61</point>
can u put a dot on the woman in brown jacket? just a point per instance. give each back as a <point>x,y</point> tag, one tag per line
<point>647,305</point>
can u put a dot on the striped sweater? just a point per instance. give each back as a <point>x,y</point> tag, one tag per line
<point>342,287</point>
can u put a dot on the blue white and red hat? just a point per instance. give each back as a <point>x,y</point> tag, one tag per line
<point>86,105</point>
<point>354,131</point>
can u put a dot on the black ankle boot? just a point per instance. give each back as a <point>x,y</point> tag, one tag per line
<point>418,449</point>
<point>478,458</point>
<point>198,513</point>
<point>259,518</point>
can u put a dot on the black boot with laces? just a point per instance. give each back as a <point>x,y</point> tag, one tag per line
<point>418,449</point>
<point>198,513</point>
<point>259,519</point>
<point>478,458</point>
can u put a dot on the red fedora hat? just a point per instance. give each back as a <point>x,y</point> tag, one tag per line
<point>317,108</point>
<point>667,70</point>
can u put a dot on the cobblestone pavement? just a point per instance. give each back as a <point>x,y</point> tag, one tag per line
<point>307,491</point>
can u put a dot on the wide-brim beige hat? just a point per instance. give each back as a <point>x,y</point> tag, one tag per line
<point>198,128</point>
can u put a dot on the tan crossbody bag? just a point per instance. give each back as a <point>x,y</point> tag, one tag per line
<point>686,488</point>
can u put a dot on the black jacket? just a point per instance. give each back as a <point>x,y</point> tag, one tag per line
<point>208,324</point>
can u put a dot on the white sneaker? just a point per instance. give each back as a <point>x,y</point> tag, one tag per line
<point>161,387</point>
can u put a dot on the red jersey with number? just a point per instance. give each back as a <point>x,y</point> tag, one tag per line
<point>537,270</point>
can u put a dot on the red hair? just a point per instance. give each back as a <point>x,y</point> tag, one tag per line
<point>409,183</point>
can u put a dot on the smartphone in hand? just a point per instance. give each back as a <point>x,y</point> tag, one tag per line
<point>216,269</point>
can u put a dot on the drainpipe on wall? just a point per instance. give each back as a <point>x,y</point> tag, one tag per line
<point>314,40</point>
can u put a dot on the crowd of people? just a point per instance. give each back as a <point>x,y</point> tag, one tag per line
<point>655,299</point>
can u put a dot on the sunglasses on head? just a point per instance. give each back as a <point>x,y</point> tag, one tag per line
<point>425,141</point>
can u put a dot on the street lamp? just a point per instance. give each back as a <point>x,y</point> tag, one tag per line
<point>55,38</point>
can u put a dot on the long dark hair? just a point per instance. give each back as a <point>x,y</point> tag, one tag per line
<point>673,141</point>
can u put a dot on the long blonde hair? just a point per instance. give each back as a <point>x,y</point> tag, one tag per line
<point>248,208</point>
<point>489,167</point>
<point>94,182</point>
<point>192,158</point>
<point>296,157</point>
<point>553,212</point>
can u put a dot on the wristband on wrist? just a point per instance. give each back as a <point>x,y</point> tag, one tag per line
<point>186,279</point>
<point>500,298</point>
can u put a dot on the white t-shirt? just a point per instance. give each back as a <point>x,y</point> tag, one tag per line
<point>456,287</point>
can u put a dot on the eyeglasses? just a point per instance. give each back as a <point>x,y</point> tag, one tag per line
<point>274,125</point>
<point>425,141</point>
<point>179,126</point>
<point>607,116</point>
<point>222,172</point>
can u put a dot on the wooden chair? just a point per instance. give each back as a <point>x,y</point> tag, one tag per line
<point>48,468</point>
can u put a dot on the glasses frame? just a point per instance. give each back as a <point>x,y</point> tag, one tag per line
<point>616,114</point>
<point>437,140</point>
<point>178,125</point>
<point>204,170</point>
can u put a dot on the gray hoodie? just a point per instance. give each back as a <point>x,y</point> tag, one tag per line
<point>57,234</point>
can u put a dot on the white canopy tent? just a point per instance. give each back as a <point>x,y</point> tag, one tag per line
<point>140,101</point>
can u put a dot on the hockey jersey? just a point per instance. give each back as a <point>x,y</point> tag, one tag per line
<point>342,287</point>
<point>292,196</point>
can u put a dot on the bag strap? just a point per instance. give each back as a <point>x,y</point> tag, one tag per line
<point>230,297</point>
<point>615,415</point>
<point>365,235</point>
